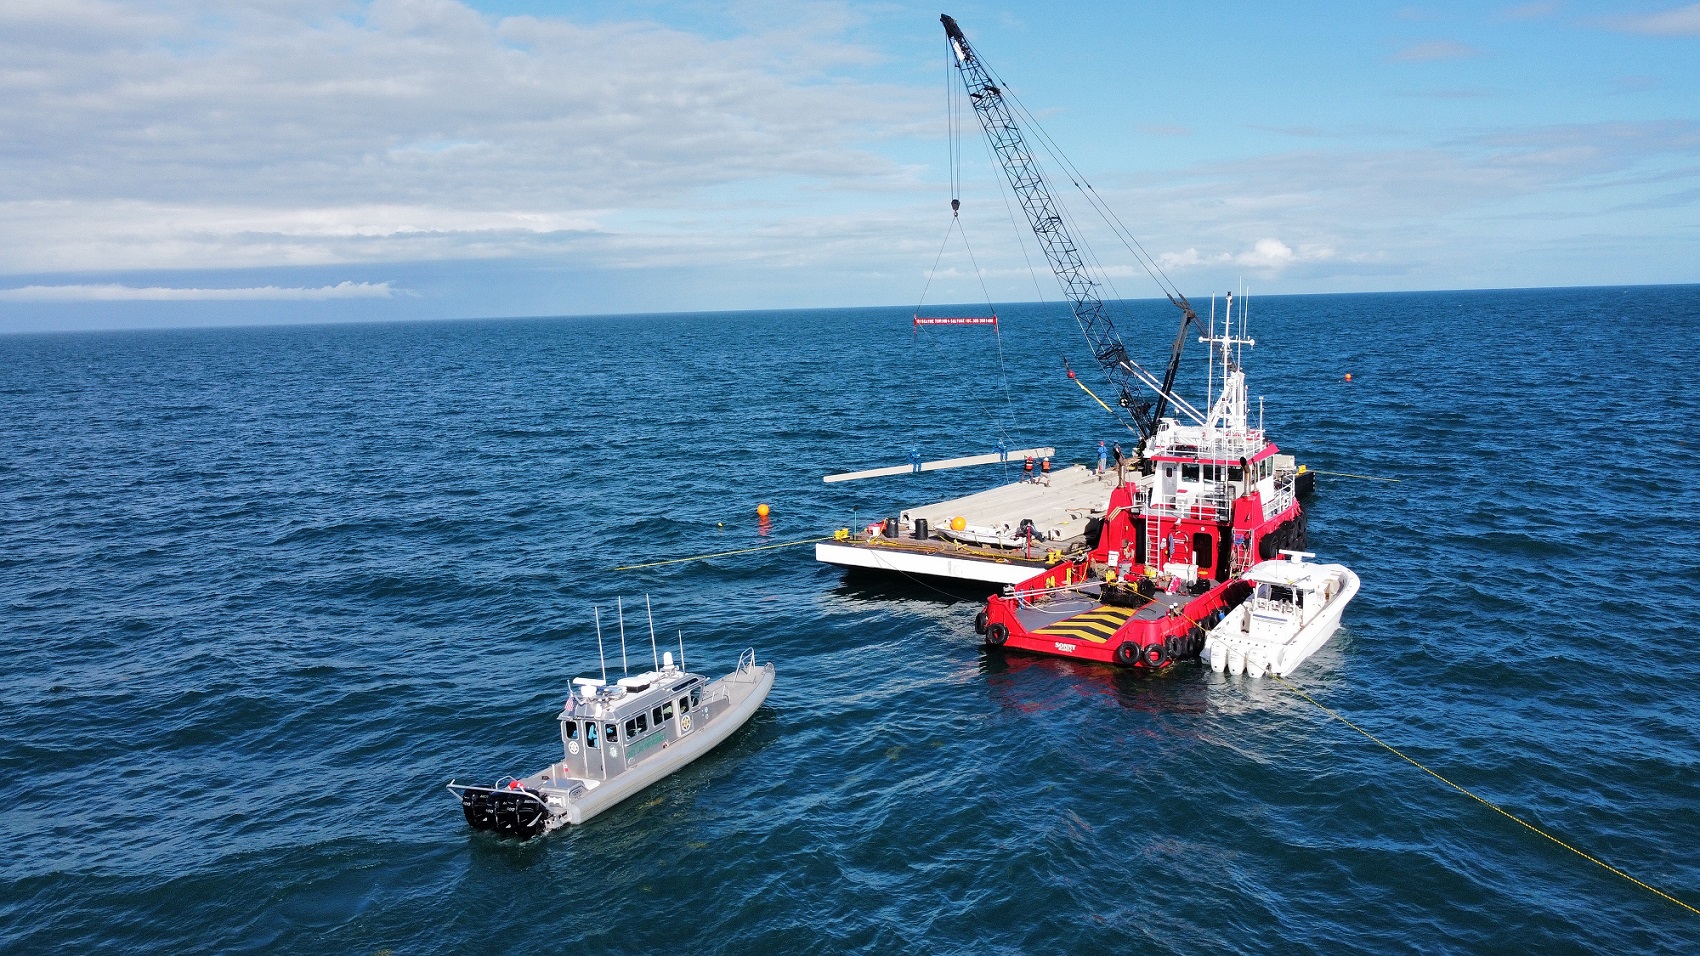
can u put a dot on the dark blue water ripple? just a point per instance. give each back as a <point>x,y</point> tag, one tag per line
<point>266,590</point>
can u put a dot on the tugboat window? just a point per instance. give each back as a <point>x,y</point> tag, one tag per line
<point>613,732</point>
<point>1189,472</point>
<point>666,712</point>
<point>1236,473</point>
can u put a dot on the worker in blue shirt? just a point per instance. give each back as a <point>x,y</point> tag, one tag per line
<point>1103,457</point>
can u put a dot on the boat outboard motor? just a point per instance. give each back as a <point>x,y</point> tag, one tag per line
<point>513,812</point>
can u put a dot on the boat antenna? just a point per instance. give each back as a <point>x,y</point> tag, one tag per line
<point>599,655</point>
<point>620,608</point>
<point>681,650</point>
<point>652,651</point>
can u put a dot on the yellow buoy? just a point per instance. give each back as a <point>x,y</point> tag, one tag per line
<point>762,510</point>
<point>958,523</point>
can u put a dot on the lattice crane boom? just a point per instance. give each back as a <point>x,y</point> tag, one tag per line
<point>1027,180</point>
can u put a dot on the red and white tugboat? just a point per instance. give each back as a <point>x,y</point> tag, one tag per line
<point>1213,497</point>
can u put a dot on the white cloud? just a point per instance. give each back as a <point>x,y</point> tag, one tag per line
<point>1530,11</point>
<point>1682,21</point>
<point>151,135</point>
<point>124,293</point>
<point>1435,50</point>
<point>1267,257</point>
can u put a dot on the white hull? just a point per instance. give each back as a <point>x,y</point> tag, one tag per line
<point>936,563</point>
<point>1264,648</point>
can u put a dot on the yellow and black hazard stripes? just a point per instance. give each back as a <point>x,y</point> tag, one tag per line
<point>1097,626</point>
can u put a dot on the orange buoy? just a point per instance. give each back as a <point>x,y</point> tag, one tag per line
<point>762,510</point>
<point>958,523</point>
<point>1348,376</point>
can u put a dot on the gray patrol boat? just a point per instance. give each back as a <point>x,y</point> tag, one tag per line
<point>618,739</point>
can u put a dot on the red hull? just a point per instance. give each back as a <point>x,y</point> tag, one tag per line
<point>1059,612</point>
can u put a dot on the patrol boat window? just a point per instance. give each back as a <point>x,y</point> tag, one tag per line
<point>613,732</point>
<point>655,716</point>
<point>666,712</point>
<point>572,730</point>
<point>643,722</point>
<point>589,733</point>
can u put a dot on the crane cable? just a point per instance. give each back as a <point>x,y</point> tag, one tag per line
<point>997,335</point>
<point>1077,178</point>
<point>1067,166</point>
<point>1093,269</point>
<point>953,123</point>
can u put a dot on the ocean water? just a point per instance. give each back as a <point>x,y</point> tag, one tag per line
<point>264,591</point>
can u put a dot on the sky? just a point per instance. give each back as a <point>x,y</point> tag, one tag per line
<point>181,163</point>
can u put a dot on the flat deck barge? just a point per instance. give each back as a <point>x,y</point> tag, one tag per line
<point>920,539</point>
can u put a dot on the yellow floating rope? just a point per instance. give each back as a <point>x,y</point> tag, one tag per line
<point>1491,806</point>
<point>722,554</point>
<point>1345,474</point>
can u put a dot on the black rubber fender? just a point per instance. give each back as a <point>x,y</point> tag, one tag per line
<point>1127,654</point>
<point>1154,656</point>
<point>980,623</point>
<point>996,634</point>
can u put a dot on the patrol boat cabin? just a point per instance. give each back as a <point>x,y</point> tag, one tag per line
<point>617,739</point>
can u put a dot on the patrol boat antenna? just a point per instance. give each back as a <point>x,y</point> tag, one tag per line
<point>681,649</point>
<point>599,655</point>
<point>652,651</point>
<point>620,610</point>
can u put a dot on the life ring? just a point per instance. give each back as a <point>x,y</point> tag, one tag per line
<point>1127,654</point>
<point>996,634</point>
<point>1154,656</point>
<point>980,623</point>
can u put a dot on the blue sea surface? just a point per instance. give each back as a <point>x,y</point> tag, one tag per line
<point>264,591</point>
